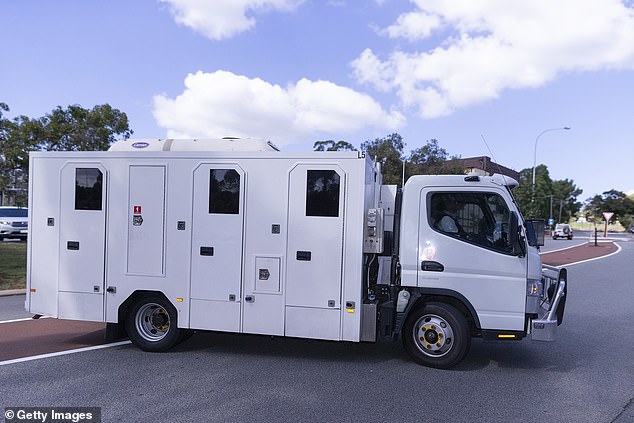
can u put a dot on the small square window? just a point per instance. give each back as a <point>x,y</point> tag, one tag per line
<point>88,189</point>
<point>322,193</point>
<point>224,191</point>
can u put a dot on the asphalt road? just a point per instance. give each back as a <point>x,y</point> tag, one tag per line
<point>12,307</point>
<point>587,375</point>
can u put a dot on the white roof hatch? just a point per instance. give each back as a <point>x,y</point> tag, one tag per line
<point>204,144</point>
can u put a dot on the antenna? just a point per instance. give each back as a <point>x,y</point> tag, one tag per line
<point>494,160</point>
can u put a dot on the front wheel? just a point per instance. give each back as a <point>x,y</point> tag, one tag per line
<point>151,324</point>
<point>436,335</point>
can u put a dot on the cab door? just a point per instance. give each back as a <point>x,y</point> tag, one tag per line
<point>82,242</point>
<point>476,260</point>
<point>216,254</point>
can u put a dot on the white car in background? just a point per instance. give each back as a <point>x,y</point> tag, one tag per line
<point>562,230</point>
<point>14,222</point>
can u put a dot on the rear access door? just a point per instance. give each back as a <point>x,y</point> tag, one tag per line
<point>315,251</point>
<point>82,241</point>
<point>217,239</point>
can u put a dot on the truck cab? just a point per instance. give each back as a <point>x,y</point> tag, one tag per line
<point>469,265</point>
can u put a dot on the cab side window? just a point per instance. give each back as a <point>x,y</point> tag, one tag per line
<point>480,218</point>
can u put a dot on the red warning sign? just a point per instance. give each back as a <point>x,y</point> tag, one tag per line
<point>137,209</point>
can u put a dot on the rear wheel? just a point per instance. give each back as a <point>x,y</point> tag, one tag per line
<point>436,335</point>
<point>151,324</point>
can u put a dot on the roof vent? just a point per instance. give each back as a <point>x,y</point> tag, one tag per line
<point>472,178</point>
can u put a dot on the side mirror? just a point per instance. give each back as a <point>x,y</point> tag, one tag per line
<point>517,244</point>
<point>535,232</point>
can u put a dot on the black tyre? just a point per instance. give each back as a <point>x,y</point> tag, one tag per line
<point>152,324</point>
<point>436,335</point>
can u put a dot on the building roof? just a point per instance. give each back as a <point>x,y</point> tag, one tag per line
<point>487,165</point>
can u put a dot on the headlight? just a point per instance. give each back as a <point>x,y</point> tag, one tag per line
<point>534,288</point>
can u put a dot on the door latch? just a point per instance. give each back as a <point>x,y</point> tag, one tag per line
<point>432,266</point>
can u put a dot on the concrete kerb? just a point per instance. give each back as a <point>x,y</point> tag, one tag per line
<point>608,239</point>
<point>9,292</point>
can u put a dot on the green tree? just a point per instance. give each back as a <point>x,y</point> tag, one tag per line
<point>534,202</point>
<point>428,159</point>
<point>611,201</point>
<point>431,159</point>
<point>388,151</point>
<point>547,198</point>
<point>331,145</point>
<point>11,174</point>
<point>71,129</point>
<point>79,129</point>
<point>565,194</point>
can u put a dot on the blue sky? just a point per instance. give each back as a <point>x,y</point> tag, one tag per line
<point>300,71</point>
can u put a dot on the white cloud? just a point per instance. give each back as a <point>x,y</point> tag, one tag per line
<point>218,19</point>
<point>489,46</point>
<point>413,26</point>
<point>224,104</point>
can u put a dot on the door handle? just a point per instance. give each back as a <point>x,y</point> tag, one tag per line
<point>206,251</point>
<point>432,266</point>
<point>249,298</point>
<point>303,255</point>
<point>112,289</point>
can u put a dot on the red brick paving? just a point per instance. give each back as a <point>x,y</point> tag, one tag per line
<point>578,253</point>
<point>34,337</point>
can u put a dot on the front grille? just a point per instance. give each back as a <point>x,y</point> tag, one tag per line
<point>19,224</point>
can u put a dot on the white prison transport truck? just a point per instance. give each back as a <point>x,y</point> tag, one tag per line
<point>162,237</point>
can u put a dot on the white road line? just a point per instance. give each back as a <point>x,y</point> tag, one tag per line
<point>618,250</point>
<point>23,320</point>
<point>56,354</point>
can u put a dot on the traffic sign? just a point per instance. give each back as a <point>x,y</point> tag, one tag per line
<point>608,216</point>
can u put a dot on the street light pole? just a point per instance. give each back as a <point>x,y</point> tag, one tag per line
<point>535,150</point>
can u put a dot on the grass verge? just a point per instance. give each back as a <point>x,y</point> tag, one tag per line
<point>12,265</point>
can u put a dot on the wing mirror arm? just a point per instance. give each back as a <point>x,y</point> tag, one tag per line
<point>517,241</point>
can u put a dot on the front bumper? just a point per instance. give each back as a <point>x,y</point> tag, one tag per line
<point>551,308</point>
